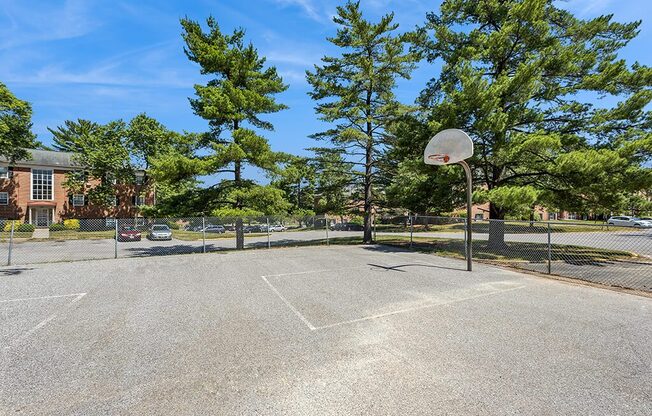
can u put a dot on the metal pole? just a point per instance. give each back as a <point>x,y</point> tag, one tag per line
<point>469,202</point>
<point>115,243</point>
<point>11,242</point>
<point>328,243</point>
<point>466,252</point>
<point>549,252</point>
<point>203,234</point>
<point>269,244</point>
<point>411,228</point>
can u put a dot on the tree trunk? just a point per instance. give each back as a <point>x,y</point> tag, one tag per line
<point>496,227</point>
<point>239,225</point>
<point>368,236</point>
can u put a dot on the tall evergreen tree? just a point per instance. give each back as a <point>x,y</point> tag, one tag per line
<point>240,91</point>
<point>297,180</point>
<point>531,84</point>
<point>15,126</point>
<point>334,180</point>
<point>355,91</point>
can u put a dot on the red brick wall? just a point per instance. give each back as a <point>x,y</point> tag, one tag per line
<point>19,189</point>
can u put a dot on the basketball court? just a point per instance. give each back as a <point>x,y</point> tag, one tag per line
<point>316,330</point>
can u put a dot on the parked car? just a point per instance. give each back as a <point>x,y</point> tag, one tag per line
<point>277,228</point>
<point>129,234</point>
<point>347,226</point>
<point>627,221</point>
<point>160,232</point>
<point>215,229</point>
<point>255,229</point>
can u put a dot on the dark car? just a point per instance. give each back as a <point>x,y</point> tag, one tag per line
<point>255,229</point>
<point>215,229</point>
<point>129,234</point>
<point>347,226</point>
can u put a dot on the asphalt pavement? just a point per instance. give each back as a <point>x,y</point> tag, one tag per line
<point>316,331</point>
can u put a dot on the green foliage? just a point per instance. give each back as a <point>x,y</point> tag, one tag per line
<point>15,126</point>
<point>24,228</point>
<point>355,91</point>
<point>173,225</point>
<point>57,226</point>
<point>297,181</point>
<point>71,224</point>
<point>514,74</point>
<point>240,90</point>
<point>334,177</point>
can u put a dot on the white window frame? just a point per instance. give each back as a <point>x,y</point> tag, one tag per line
<point>31,183</point>
<point>139,200</point>
<point>5,173</point>
<point>75,203</point>
<point>6,198</point>
<point>110,221</point>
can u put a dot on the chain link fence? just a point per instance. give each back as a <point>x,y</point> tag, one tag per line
<point>595,252</point>
<point>105,238</point>
<point>599,253</point>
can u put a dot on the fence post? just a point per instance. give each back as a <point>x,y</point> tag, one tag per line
<point>328,243</point>
<point>11,242</point>
<point>466,236</point>
<point>411,228</point>
<point>115,243</point>
<point>269,244</point>
<point>549,251</point>
<point>203,234</point>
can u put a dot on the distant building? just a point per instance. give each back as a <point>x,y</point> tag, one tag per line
<point>32,191</point>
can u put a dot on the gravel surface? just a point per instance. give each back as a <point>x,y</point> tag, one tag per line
<point>316,331</point>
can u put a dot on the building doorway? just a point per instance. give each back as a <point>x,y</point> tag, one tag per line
<point>41,217</point>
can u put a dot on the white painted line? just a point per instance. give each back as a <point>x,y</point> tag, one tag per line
<point>425,306</point>
<point>44,322</point>
<point>289,305</point>
<point>78,295</point>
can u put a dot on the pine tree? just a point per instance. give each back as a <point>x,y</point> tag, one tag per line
<point>241,89</point>
<point>355,90</point>
<point>526,79</point>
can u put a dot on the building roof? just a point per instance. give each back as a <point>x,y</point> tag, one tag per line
<point>47,158</point>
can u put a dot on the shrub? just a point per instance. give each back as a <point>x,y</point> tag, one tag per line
<point>57,227</point>
<point>25,228</point>
<point>173,225</point>
<point>8,223</point>
<point>357,219</point>
<point>71,224</point>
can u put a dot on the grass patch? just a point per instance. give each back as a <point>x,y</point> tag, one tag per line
<point>510,228</point>
<point>4,236</point>
<point>81,235</point>
<point>510,252</point>
<point>197,235</point>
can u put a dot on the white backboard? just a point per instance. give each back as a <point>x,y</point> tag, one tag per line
<point>447,147</point>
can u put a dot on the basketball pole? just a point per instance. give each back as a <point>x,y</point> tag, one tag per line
<point>469,204</point>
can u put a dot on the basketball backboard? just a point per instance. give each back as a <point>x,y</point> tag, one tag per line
<point>447,147</point>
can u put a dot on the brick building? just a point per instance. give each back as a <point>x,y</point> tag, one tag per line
<point>32,191</point>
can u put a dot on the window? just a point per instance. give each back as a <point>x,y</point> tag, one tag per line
<point>78,200</point>
<point>139,200</point>
<point>112,201</point>
<point>42,184</point>
<point>479,216</point>
<point>140,179</point>
<point>4,198</point>
<point>5,173</point>
<point>110,222</point>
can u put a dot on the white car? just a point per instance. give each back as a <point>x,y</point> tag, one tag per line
<point>160,232</point>
<point>626,221</point>
<point>277,227</point>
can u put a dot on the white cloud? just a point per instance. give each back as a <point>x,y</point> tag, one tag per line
<point>308,6</point>
<point>28,25</point>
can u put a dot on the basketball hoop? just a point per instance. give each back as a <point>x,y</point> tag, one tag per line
<point>448,147</point>
<point>440,157</point>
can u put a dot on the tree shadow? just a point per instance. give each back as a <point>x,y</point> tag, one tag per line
<point>14,271</point>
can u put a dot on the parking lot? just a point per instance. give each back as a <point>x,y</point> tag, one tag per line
<point>316,330</point>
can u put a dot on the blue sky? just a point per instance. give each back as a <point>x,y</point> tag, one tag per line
<point>104,60</point>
